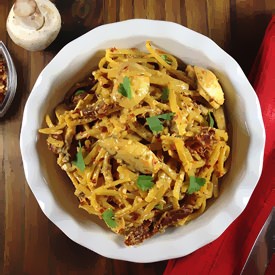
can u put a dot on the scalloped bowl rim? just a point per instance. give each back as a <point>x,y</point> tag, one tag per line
<point>161,247</point>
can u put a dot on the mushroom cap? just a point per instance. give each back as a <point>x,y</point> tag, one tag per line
<point>209,87</point>
<point>24,7</point>
<point>35,40</point>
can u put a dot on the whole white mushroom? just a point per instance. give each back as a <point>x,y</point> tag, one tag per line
<point>33,24</point>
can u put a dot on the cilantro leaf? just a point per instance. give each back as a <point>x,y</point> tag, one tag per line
<point>145,182</point>
<point>155,124</point>
<point>79,92</point>
<point>195,184</point>
<point>79,162</point>
<point>211,120</point>
<point>166,116</point>
<point>124,88</point>
<point>109,218</point>
<point>165,58</point>
<point>165,94</point>
<point>159,206</point>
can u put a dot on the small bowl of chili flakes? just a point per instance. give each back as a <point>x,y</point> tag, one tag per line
<point>8,79</point>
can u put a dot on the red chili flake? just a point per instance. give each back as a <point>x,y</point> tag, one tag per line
<point>104,129</point>
<point>218,174</point>
<point>106,85</point>
<point>173,147</point>
<point>135,216</point>
<point>87,147</point>
<point>3,80</point>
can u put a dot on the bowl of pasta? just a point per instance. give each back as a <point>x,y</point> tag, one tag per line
<point>142,146</point>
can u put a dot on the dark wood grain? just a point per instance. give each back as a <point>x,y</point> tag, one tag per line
<point>29,242</point>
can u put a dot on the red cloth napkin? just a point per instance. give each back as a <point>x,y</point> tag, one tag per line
<point>228,253</point>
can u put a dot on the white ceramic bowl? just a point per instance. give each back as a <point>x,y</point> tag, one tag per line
<point>53,190</point>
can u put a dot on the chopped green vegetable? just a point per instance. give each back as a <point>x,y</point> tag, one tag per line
<point>155,124</point>
<point>109,218</point>
<point>165,58</point>
<point>145,182</point>
<point>195,184</point>
<point>165,95</point>
<point>79,162</point>
<point>159,206</point>
<point>211,120</point>
<point>124,88</point>
<point>79,92</point>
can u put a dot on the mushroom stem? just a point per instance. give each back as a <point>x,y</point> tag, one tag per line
<point>29,14</point>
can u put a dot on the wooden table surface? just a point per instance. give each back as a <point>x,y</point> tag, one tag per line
<point>29,242</point>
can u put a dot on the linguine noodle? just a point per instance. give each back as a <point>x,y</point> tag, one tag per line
<point>143,141</point>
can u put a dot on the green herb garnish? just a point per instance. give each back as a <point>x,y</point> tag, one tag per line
<point>165,95</point>
<point>195,184</point>
<point>165,58</point>
<point>79,162</point>
<point>109,218</point>
<point>79,92</point>
<point>155,124</point>
<point>211,120</point>
<point>124,88</point>
<point>145,182</point>
<point>159,206</point>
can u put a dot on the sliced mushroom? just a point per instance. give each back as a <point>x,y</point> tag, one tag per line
<point>33,24</point>
<point>177,85</point>
<point>220,118</point>
<point>139,85</point>
<point>190,72</point>
<point>209,87</point>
